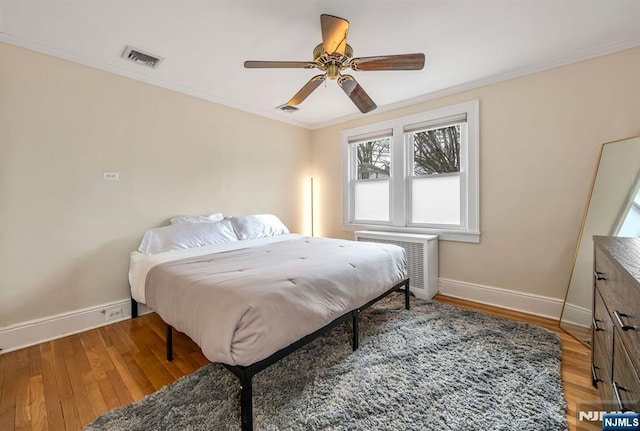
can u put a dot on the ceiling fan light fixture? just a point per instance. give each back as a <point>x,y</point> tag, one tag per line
<point>333,71</point>
<point>333,56</point>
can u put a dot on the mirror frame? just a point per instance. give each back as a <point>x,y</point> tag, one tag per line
<point>580,235</point>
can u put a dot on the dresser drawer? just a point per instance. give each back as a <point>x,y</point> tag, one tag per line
<point>602,372</point>
<point>603,270</point>
<point>626,383</point>
<point>602,325</point>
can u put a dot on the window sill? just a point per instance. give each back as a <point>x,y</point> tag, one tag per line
<point>443,234</point>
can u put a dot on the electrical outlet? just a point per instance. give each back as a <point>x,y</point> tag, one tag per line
<point>113,313</point>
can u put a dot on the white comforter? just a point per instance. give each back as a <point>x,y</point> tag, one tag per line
<point>240,306</point>
<point>140,264</point>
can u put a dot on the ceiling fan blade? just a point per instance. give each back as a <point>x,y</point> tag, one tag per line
<point>356,93</point>
<point>279,65</point>
<point>334,34</point>
<point>389,62</point>
<point>305,91</point>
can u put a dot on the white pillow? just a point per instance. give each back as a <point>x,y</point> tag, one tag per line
<point>258,226</point>
<point>186,235</point>
<point>181,219</point>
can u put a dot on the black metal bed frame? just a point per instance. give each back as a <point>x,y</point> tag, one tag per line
<point>245,373</point>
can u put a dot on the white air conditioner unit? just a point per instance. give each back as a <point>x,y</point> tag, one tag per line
<point>422,257</point>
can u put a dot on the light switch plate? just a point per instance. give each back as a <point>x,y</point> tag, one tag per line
<point>112,176</point>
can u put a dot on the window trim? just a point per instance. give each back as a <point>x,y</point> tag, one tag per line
<point>399,193</point>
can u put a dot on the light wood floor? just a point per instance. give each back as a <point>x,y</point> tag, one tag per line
<point>66,383</point>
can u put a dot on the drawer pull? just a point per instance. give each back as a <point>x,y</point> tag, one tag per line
<point>595,325</point>
<point>599,275</point>
<point>616,391</point>
<point>594,376</point>
<point>619,317</point>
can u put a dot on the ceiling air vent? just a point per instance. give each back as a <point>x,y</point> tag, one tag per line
<point>287,108</point>
<point>141,57</point>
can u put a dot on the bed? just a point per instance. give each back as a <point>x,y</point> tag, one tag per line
<point>250,292</point>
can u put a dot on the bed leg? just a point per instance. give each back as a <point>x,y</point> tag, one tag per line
<point>169,342</point>
<point>246,402</point>
<point>134,308</point>
<point>406,294</point>
<point>355,338</point>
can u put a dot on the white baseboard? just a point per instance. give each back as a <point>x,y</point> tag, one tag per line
<point>576,315</point>
<point>37,331</point>
<point>519,301</point>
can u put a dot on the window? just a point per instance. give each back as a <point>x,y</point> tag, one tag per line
<point>415,174</point>
<point>371,186</point>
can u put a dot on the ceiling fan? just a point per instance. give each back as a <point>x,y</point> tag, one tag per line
<point>333,56</point>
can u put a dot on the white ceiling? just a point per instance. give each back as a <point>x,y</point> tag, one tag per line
<point>467,43</point>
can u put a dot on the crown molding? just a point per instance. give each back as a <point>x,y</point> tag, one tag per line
<point>493,79</point>
<point>598,51</point>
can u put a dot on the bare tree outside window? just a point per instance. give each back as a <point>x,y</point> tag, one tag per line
<point>436,151</point>
<point>374,159</point>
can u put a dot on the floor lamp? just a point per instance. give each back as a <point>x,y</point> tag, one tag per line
<point>311,186</point>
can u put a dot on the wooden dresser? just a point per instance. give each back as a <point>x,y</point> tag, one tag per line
<point>615,360</point>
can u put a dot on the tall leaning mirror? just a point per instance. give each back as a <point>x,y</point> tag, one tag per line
<point>613,209</point>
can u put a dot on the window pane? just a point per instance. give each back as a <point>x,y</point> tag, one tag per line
<point>436,151</point>
<point>373,158</point>
<point>436,200</point>
<point>371,200</point>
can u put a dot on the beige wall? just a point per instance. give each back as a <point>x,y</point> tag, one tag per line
<point>540,137</point>
<point>65,233</point>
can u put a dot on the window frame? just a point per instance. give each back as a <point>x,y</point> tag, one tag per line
<point>353,179</point>
<point>462,173</point>
<point>401,174</point>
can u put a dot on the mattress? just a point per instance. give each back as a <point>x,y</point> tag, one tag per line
<point>242,305</point>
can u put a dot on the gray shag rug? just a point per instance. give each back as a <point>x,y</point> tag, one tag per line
<point>435,367</point>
